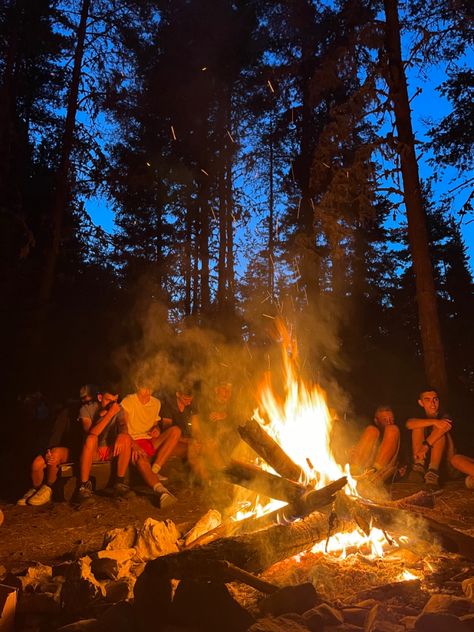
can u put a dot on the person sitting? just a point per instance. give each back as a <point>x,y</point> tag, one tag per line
<point>148,441</point>
<point>107,439</point>
<point>379,444</point>
<point>177,410</point>
<point>430,438</point>
<point>64,444</point>
<point>464,464</point>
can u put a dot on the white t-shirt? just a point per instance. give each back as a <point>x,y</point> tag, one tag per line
<point>141,417</point>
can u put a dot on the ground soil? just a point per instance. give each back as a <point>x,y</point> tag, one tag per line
<point>60,531</point>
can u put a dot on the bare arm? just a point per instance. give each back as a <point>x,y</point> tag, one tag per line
<point>86,423</point>
<point>105,420</point>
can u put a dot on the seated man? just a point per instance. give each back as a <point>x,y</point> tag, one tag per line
<point>148,442</point>
<point>378,445</point>
<point>177,410</point>
<point>107,439</point>
<point>64,444</point>
<point>464,464</point>
<point>430,438</point>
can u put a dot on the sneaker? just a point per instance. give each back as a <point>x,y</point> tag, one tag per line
<point>432,479</point>
<point>23,501</point>
<point>167,499</point>
<point>469,482</point>
<point>416,474</point>
<point>42,496</point>
<point>84,492</point>
<point>120,489</point>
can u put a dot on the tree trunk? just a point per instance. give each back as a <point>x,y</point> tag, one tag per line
<point>433,353</point>
<point>62,174</point>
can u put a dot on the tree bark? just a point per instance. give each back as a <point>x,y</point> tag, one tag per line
<point>433,352</point>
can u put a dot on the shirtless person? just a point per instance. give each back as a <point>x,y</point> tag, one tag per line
<point>378,445</point>
<point>430,438</point>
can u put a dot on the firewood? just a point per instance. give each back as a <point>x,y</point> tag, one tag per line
<point>316,499</point>
<point>265,446</point>
<point>252,477</point>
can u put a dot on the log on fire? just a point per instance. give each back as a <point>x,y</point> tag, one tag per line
<point>307,503</point>
<point>253,477</point>
<point>265,446</point>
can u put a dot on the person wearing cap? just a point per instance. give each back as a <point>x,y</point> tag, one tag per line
<point>64,444</point>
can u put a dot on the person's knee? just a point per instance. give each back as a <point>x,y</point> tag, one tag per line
<point>38,463</point>
<point>456,460</point>
<point>175,433</point>
<point>371,433</point>
<point>392,432</point>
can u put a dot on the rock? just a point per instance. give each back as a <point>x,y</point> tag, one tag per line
<point>439,622</point>
<point>449,604</point>
<point>468,621</point>
<point>209,521</point>
<point>120,538</point>
<point>3,572</point>
<point>468,588</point>
<point>80,591</point>
<point>208,606</point>
<point>330,615</point>
<point>355,616</point>
<point>156,538</point>
<point>119,590</point>
<point>120,618</point>
<point>152,595</point>
<point>314,620</point>
<point>387,626</point>
<point>298,598</point>
<point>39,603</point>
<point>80,626</point>
<point>285,623</point>
<point>409,622</point>
<point>35,576</point>
<point>2,517</point>
<point>113,564</point>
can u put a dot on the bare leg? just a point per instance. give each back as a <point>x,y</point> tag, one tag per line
<point>60,455</point>
<point>165,444</point>
<point>417,438</point>
<point>123,459</point>
<point>363,453</point>
<point>463,463</point>
<point>437,452</point>
<point>37,471</point>
<point>89,452</point>
<point>388,450</point>
<point>144,467</point>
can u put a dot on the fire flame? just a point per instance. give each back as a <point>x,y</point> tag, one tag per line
<point>300,422</point>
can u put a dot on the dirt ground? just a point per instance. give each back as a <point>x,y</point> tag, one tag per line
<point>60,531</point>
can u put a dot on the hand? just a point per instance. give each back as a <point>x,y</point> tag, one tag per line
<point>155,432</point>
<point>50,458</point>
<point>114,408</point>
<point>443,424</point>
<point>422,452</point>
<point>137,452</point>
<point>121,443</point>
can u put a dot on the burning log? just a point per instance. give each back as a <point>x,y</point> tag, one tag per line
<point>316,499</point>
<point>257,438</point>
<point>252,552</point>
<point>254,478</point>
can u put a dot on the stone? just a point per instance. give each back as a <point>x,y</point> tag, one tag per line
<point>355,616</point>
<point>468,588</point>
<point>119,618</point>
<point>156,538</point>
<point>2,517</point>
<point>39,603</point>
<point>83,625</point>
<point>82,590</point>
<point>120,538</point>
<point>119,590</point>
<point>330,615</point>
<point>409,622</point>
<point>152,594</point>
<point>298,598</point>
<point>208,606</point>
<point>314,620</point>
<point>468,621</point>
<point>284,623</point>
<point>35,576</point>
<point>458,606</point>
<point>439,622</point>
<point>209,521</point>
<point>113,564</point>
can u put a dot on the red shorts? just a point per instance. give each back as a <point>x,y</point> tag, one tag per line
<point>105,453</point>
<point>147,446</point>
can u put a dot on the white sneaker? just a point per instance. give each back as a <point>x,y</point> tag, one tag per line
<point>23,501</point>
<point>469,482</point>
<point>156,470</point>
<point>42,496</point>
<point>167,499</point>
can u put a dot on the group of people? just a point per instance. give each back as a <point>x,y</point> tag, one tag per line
<point>432,444</point>
<point>146,430</point>
<point>141,429</point>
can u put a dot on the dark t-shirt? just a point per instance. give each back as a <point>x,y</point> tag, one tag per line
<point>67,431</point>
<point>182,419</point>
<point>110,432</point>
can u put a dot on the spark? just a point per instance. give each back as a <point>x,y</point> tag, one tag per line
<point>230,136</point>
<point>270,86</point>
<point>148,164</point>
<point>326,165</point>
<point>173,132</point>
<point>268,316</point>
<point>204,172</point>
<point>204,68</point>
<point>213,214</point>
<point>299,207</point>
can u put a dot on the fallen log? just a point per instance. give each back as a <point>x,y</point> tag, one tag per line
<point>402,518</point>
<point>253,477</point>
<point>265,446</point>
<point>252,552</point>
<point>315,499</point>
